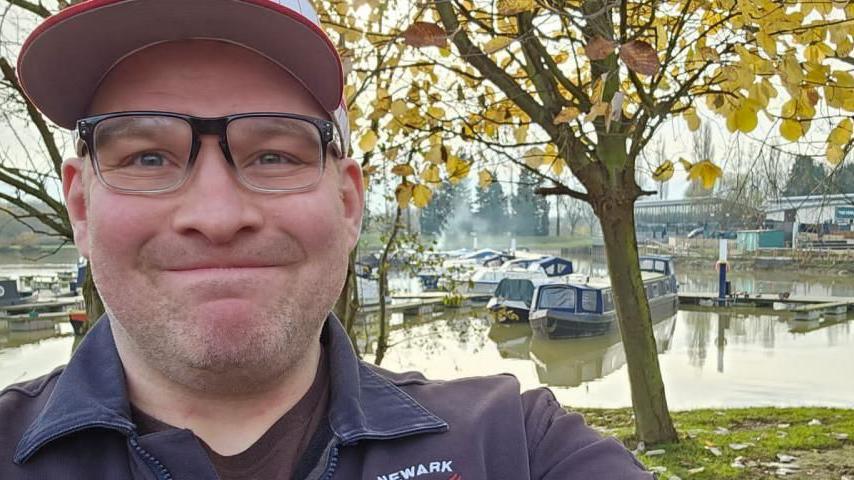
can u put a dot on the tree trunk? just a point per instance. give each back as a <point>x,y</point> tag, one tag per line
<point>94,305</point>
<point>382,341</point>
<point>652,418</point>
<point>347,305</point>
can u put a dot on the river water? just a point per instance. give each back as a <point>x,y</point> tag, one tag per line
<point>752,358</point>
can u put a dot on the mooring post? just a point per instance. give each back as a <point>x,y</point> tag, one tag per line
<point>722,271</point>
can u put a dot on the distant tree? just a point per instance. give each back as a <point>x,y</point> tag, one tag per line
<point>542,208</point>
<point>523,210</point>
<point>843,179</point>
<point>743,197</point>
<point>704,146</point>
<point>491,203</point>
<point>572,211</point>
<point>530,212</point>
<point>436,215</point>
<point>805,178</point>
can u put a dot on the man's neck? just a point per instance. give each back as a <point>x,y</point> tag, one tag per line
<point>228,423</point>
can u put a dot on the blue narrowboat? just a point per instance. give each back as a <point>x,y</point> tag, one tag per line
<point>587,308</point>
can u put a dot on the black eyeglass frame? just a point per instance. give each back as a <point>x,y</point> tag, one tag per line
<point>203,126</point>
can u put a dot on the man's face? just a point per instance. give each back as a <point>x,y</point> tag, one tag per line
<point>214,278</point>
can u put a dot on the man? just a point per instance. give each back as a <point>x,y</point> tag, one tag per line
<point>214,199</point>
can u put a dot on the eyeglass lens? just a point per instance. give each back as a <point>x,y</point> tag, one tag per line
<point>152,152</point>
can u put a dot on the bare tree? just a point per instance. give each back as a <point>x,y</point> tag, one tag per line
<point>703,143</point>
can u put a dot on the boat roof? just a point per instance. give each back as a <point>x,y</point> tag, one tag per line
<point>598,283</point>
<point>666,258</point>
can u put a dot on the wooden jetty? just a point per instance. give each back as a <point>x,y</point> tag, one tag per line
<point>803,307</point>
<point>425,303</point>
<point>34,322</point>
<point>29,317</point>
<point>51,306</point>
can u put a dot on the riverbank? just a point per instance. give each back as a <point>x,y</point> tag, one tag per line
<point>817,265</point>
<point>744,443</point>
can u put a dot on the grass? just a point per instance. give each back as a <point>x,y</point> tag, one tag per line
<point>820,449</point>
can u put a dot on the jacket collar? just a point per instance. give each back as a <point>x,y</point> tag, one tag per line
<point>91,393</point>
<point>365,405</point>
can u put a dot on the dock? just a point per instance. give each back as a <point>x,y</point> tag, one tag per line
<point>424,303</point>
<point>806,308</point>
<point>29,317</point>
<point>52,306</point>
<point>34,322</point>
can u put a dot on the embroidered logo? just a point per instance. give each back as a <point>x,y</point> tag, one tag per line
<point>417,470</point>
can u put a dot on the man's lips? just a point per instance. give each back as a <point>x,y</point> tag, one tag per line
<point>224,267</point>
<point>219,264</point>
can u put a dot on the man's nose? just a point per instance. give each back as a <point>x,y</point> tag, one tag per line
<point>213,203</point>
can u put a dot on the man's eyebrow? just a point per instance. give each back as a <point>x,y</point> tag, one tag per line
<point>279,126</point>
<point>136,127</point>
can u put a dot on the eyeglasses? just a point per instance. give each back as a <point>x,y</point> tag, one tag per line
<point>154,152</point>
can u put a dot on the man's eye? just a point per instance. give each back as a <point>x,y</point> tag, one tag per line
<point>149,159</point>
<point>272,158</point>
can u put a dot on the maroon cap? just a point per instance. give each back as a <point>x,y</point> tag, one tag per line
<point>64,60</point>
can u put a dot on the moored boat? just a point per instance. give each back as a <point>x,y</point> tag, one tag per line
<point>539,268</point>
<point>582,309</point>
<point>511,302</point>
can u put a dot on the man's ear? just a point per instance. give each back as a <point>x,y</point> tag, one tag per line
<point>74,190</point>
<point>353,198</point>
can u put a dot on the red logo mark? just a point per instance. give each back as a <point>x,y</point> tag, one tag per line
<point>455,476</point>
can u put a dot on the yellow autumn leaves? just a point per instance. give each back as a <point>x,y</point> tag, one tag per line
<point>837,140</point>
<point>705,172</point>
<point>419,194</point>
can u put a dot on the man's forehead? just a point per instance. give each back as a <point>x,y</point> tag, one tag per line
<point>201,77</point>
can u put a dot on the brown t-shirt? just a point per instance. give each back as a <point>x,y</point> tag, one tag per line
<point>275,455</point>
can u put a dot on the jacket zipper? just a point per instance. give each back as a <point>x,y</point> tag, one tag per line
<point>332,464</point>
<point>159,470</point>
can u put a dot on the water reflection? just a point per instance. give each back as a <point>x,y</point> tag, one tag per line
<point>571,362</point>
<point>10,339</point>
<point>757,360</point>
<point>708,359</point>
<point>795,283</point>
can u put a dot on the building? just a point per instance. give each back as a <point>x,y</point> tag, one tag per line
<point>812,209</point>
<point>752,240</point>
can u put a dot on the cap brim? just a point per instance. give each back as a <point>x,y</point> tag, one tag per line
<point>66,57</point>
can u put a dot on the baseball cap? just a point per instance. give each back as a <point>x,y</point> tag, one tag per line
<point>65,58</point>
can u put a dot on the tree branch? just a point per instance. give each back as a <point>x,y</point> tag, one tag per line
<point>36,117</point>
<point>562,190</point>
<point>479,60</point>
<point>32,7</point>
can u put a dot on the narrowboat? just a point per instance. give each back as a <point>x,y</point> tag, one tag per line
<point>583,309</point>
<point>11,295</point>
